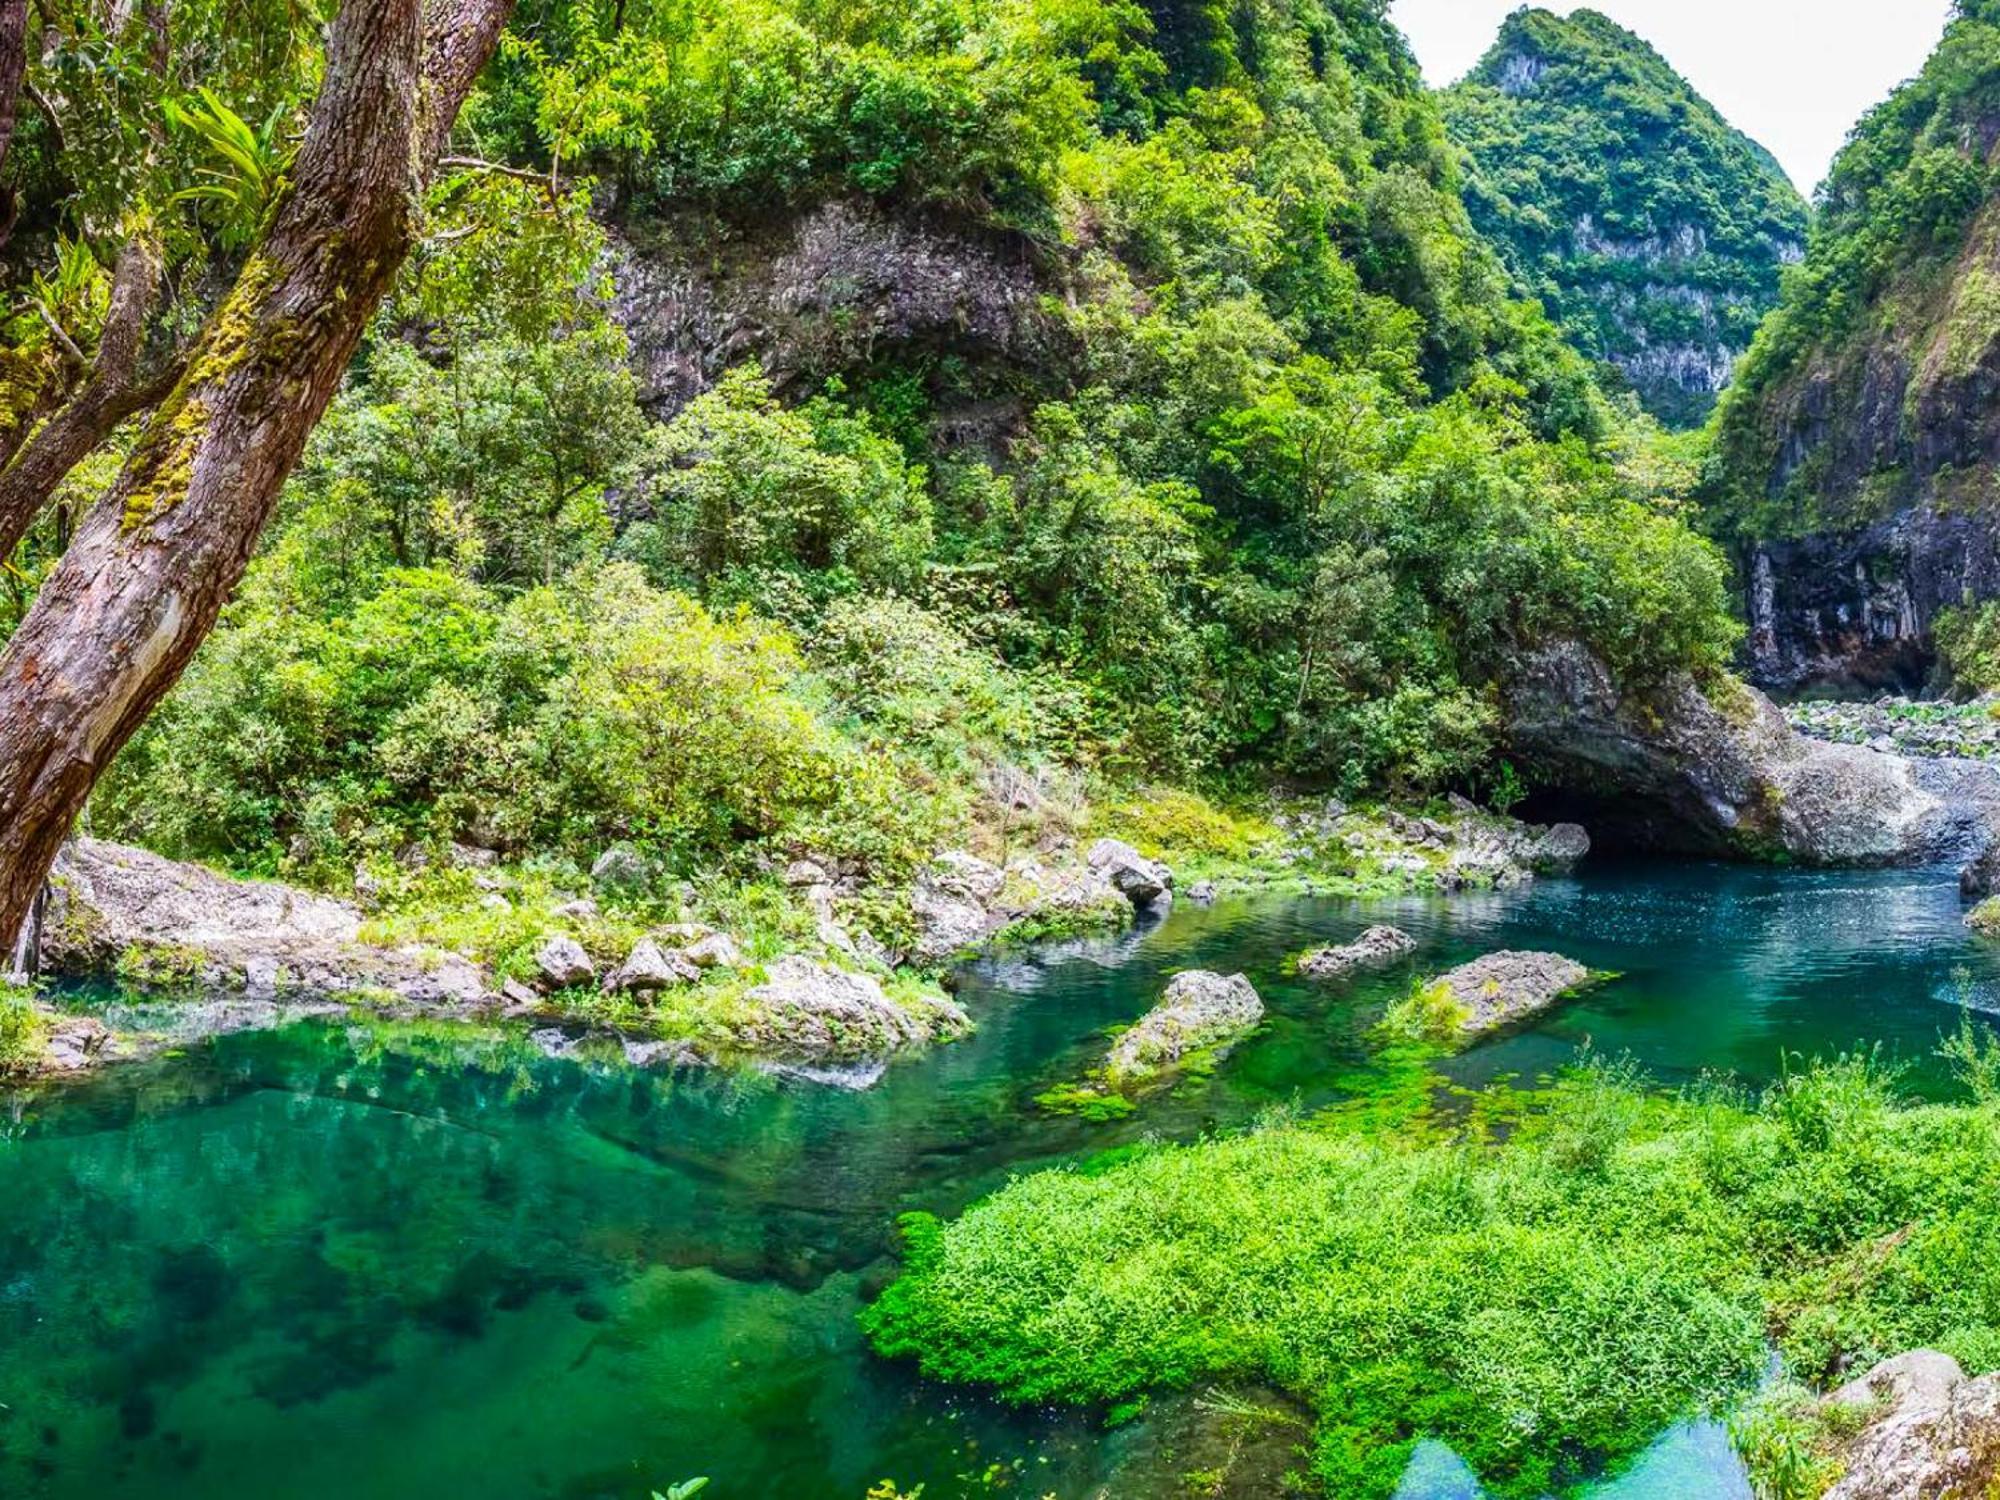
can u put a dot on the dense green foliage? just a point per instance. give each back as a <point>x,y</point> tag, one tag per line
<point>1649,228</point>
<point>1545,1306</point>
<point>1287,484</point>
<point>1886,282</point>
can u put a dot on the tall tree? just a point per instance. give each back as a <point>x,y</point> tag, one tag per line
<point>151,566</point>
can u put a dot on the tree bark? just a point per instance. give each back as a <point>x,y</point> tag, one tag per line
<point>153,563</point>
<point>116,388</point>
<point>13,71</point>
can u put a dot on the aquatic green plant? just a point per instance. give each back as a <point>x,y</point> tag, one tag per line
<point>1544,1298</point>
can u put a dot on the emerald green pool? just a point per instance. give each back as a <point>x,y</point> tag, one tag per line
<point>337,1262</point>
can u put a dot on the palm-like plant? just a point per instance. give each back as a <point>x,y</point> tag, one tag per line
<point>248,166</point>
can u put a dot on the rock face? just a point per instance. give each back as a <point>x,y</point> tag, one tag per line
<point>1373,949</point>
<point>1198,1010</point>
<point>1504,988</point>
<point>814,293</point>
<point>117,907</point>
<point>1937,1433</point>
<point>812,1013</point>
<point>1673,770</point>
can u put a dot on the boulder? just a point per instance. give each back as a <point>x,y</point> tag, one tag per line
<point>1981,876</point>
<point>620,868</point>
<point>1199,1009</point>
<point>648,969</point>
<point>1936,1436</point>
<point>716,950</point>
<point>807,1011</point>
<point>1503,988</point>
<point>1374,948</point>
<point>561,962</point>
<point>948,922</point>
<point>111,905</point>
<point>1202,893</point>
<point>1721,772</point>
<point>1139,880</point>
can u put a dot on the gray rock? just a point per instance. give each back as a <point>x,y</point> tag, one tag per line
<point>948,922</point>
<point>1559,848</point>
<point>581,910</point>
<point>1922,1379</point>
<point>562,962</point>
<point>1138,879</point>
<point>805,872</point>
<point>647,969</point>
<point>518,998</point>
<point>1198,1010</point>
<point>1938,1438</point>
<point>1374,948</point>
<point>966,875</point>
<point>716,950</point>
<point>620,868</point>
<point>806,1011</point>
<point>1981,876</point>
<point>1503,988</point>
<point>1673,770</point>
<point>1202,892</point>
<point>470,857</point>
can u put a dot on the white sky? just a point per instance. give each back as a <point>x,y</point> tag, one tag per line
<point>1793,74</point>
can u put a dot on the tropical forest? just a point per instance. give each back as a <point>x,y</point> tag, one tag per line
<point>994,750</point>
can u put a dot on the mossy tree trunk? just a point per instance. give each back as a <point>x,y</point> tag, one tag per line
<point>156,558</point>
<point>118,386</point>
<point>13,72</point>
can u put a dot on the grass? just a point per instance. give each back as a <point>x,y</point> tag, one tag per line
<point>1545,1295</point>
<point>24,1030</point>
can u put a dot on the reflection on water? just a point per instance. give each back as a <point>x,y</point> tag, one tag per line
<point>315,1264</point>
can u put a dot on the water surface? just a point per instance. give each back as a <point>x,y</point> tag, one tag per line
<point>323,1263</point>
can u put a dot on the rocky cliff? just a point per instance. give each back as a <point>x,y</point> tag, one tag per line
<point>1855,455</point>
<point>1650,229</point>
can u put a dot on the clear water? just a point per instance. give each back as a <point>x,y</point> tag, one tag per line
<point>315,1263</point>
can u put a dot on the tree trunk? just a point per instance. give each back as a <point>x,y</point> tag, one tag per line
<point>13,70</point>
<point>117,388</point>
<point>153,563</point>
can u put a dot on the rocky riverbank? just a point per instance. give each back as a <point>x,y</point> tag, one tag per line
<point>1928,729</point>
<point>820,973</point>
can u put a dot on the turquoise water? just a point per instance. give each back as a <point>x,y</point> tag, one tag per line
<point>323,1262</point>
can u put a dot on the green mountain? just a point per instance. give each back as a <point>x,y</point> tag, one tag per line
<point>1652,230</point>
<point>1872,387</point>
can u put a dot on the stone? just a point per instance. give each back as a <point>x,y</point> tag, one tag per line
<point>1503,988</point>
<point>561,963</point>
<point>518,998</point>
<point>1559,848</point>
<point>1198,1010</point>
<point>1202,892</point>
<point>966,875</point>
<point>814,1012</point>
<point>1376,947</point>
<point>715,950</point>
<point>647,969</point>
<point>948,922</point>
<point>494,901</point>
<point>620,868</point>
<point>1674,769</point>
<point>1937,1438</point>
<point>581,910</point>
<point>1922,1379</point>
<point>1981,876</point>
<point>805,872</point>
<point>470,857</point>
<point>1138,879</point>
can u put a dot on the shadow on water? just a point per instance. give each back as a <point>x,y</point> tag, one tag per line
<point>334,1261</point>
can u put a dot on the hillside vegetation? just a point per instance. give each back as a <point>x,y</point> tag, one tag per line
<point>1280,483</point>
<point>1870,387</point>
<point>1652,230</point>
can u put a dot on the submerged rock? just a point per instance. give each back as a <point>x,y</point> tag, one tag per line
<point>1377,946</point>
<point>812,1012</point>
<point>1503,988</point>
<point>1198,1010</point>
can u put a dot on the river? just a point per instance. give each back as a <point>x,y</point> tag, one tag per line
<point>375,1263</point>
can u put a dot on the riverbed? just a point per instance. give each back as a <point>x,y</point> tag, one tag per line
<point>344,1260</point>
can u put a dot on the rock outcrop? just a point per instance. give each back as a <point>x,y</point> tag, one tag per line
<point>813,1013</point>
<point>1199,1010</point>
<point>1375,948</point>
<point>1723,773</point>
<point>1932,1433</point>
<point>116,909</point>
<point>961,901</point>
<point>1505,988</point>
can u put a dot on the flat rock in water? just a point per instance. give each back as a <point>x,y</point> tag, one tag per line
<point>813,1012</point>
<point>1510,986</point>
<point>1375,947</point>
<point>1198,1010</point>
